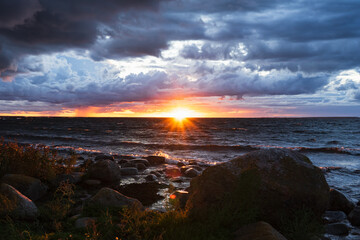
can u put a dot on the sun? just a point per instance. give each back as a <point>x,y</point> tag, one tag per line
<point>180,114</point>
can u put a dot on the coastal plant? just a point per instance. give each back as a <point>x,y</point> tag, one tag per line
<point>32,160</point>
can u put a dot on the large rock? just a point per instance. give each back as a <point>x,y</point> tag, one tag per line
<point>107,197</point>
<point>129,171</point>
<point>31,187</point>
<point>258,231</point>
<point>286,181</point>
<point>338,202</point>
<point>20,207</point>
<point>105,170</point>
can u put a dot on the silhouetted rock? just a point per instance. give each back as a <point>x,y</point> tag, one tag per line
<point>286,181</point>
<point>172,172</point>
<point>21,206</point>
<point>105,170</point>
<point>354,216</point>
<point>339,229</point>
<point>107,197</point>
<point>191,172</point>
<point>334,216</point>
<point>151,178</point>
<point>180,197</point>
<point>31,187</point>
<point>140,166</point>
<point>259,230</point>
<point>338,202</point>
<point>142,161</point>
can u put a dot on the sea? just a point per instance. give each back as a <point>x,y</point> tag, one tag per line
<point>332,144</point>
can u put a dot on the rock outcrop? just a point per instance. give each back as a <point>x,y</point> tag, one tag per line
<point>287,180</point>
<point>259,230</point>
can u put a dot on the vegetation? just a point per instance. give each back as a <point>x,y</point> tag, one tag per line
<point>56,222</point>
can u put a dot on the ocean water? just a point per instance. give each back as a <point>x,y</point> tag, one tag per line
<point>331,143</point>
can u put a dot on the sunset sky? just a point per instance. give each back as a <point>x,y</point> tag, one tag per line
<point>130,58</point>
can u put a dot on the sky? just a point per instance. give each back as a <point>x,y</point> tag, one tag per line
<point>131,58</point>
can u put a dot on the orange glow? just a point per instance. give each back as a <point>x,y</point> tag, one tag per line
<point>180,113</point>
<point>172,196</point>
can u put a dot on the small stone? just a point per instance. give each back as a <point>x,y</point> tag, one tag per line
<point>151,178</point>
<point>85,222</point>
<point>106,171</point>
<point>339,202</point>
<point>156,160</point>
<point>180,164</point>
<point>140,166</point>
<point>128,171</point>
<point>339,229</point>
<point>354,216</point>
<point>191,172</point>
<point>157,174</point>
<point>334,216</point>
<point>172,172</point>
<point>122,161</point>
<point>129,164</point>
<point>143,161</point>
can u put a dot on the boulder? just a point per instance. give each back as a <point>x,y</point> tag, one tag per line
<point>156,160</point>
<point>338,202</point>
<point>108,197</point>
<point>31,187</point>
<point>258,231</point>
<point>180,198</point>
<point>20,207</point>
<point>281,181</point>
<point>85,222</point>
<point>129,171</point>
<point>92,183</point>
<point>354,216</point>
<point>339,229</point>
<point>191,172</point>
<point>128,164</point>
<point>106,171</point>
<point>334,216</point>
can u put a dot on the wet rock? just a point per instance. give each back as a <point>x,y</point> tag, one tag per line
<point>122,161</point>
<point>172,172</point>
<point>85,222</point>
<point>339,229</point>
<point>80,158</point>
<point>259,230</point>
<point>193,162</point>
<point>31,187</point>
<point>129,171</point>
<point>107,197</point>
<point>106,171</point>
<point>146,193</point>
<point>20,206</point>
<point>129,164</point>
<point>104,157</point>
<point>191,172</point>
<point>354,216</point>
<point>142,161</point>
<point>281,181</point>
<point>156,160</point>
<point>140,166</point>
<point>334,216</point>
<point>151,178</point>
<point>338,202</point>
<point>180,164</point>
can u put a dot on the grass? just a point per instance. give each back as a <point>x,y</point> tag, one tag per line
<point>54,221</point>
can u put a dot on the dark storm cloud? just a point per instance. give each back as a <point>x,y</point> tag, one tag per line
<point>299,44</point>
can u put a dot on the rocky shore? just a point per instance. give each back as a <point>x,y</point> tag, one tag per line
<point>267,194</point>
